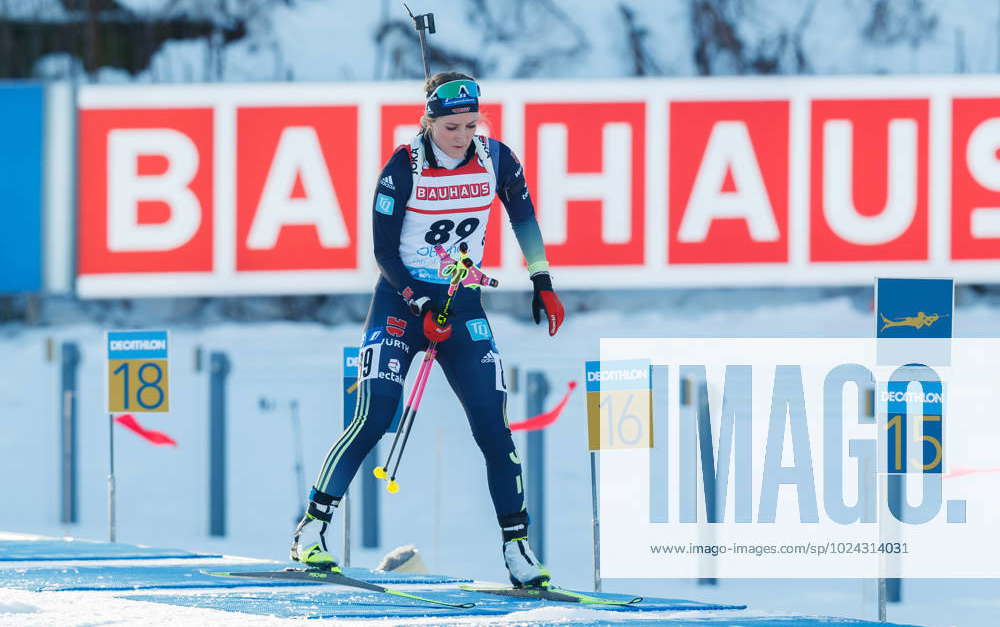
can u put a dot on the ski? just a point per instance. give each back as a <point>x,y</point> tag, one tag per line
<point>551,593</point>
<point>334,577</point>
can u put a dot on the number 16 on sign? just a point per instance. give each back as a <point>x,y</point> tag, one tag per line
<point>619,404</point>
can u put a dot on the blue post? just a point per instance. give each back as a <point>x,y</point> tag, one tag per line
<point>705,439</point>
<point>369,501</point>
<point>218,371</point>
<point>658,457</point>
<point>70,355</point>
<point>538,389</point>
<point>894,585</point>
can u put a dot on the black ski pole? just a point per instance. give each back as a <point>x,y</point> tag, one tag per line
<point>422,23</point>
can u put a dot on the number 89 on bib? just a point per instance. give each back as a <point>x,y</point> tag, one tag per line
<point>137,371</point>
<point>619,404</point>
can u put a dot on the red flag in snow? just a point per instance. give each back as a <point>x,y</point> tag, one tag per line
<point>156,437</point>
<point>543,420</point>
<point>959,472</point>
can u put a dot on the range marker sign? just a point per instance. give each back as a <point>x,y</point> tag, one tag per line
<point>138,379</point>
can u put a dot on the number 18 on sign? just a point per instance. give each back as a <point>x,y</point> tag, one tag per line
<point>137,372</point>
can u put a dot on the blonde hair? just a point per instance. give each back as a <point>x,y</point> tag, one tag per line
<point>433,83</point>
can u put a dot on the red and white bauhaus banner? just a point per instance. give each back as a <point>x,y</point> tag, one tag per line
<point>267,189</point>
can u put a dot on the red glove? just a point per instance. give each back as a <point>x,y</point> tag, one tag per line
<point>433,331</point>
<point>545,299</point>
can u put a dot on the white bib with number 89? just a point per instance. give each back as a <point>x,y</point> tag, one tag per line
<point>446,208</point>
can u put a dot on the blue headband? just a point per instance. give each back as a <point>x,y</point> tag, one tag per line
<point>459,96</point>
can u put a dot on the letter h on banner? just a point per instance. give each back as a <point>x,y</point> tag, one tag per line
<point>589,167</point>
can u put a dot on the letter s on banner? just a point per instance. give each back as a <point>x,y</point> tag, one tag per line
<point>868,197</point>
<point>145,190</point>
<point>975,190</point>
<point>728,182</point>
<point>586,168</point>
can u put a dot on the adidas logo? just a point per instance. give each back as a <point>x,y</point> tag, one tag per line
<point>487,359</point>
<point>387,183</point>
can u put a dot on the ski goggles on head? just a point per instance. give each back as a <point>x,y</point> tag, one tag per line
<point>461,96</point>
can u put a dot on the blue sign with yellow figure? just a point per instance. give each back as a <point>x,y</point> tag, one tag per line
<point>914,308</point>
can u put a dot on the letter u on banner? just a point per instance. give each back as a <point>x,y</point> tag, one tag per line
<point>868,179</point>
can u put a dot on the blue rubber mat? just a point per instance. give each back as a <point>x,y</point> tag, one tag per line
<point>358,573</point>
<point>166,577</point>
<point>48,550</point>
<point>753,621</point>
<point>346,603</point>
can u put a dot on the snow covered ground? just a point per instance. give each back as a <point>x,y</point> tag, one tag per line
<point>443,506</point>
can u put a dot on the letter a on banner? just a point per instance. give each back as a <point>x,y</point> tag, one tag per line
<point>729,154</point>
<point>728,182</point>
<point>298,157</point>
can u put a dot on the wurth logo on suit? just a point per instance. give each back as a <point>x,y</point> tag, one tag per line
<point>449,192</point>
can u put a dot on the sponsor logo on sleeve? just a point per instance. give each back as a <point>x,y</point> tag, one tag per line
<point>479,329</point>
<point>384,204</point>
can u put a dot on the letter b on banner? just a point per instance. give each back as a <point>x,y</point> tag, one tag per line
<point>145,196</point>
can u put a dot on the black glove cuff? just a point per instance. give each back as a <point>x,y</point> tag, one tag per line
<point>513,526</point>
<point>542,282</point>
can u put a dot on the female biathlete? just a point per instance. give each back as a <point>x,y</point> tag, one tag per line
<point>438,190</point>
